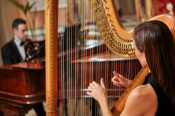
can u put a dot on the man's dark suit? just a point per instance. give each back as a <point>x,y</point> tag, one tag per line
<point>11,55</point>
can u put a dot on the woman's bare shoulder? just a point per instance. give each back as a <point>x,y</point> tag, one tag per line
<point>142,91</point>
<point>141,100</point>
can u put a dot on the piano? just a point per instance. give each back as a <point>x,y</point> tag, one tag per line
<point>22,85</point>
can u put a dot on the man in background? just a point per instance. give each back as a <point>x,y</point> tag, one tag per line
<point>13,52</point>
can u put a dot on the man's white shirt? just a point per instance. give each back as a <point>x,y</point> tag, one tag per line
<point>20,47</point>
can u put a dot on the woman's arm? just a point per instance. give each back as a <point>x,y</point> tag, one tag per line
<point>141,101</point>
<point>105,109</point>
<point>99,93</point>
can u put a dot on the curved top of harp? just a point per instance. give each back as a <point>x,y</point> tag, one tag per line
<point>116,37</point>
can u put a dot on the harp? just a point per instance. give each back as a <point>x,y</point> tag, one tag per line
<point>77,64</point>
<point>119,40</point>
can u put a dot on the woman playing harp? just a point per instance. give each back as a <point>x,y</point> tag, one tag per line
<point>155,49</point>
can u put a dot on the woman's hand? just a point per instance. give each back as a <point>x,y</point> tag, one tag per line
<point>97,91</point>
<point>120,81</point>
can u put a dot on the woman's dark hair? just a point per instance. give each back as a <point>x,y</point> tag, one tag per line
<point>155,39</point>
<point>16,22</point>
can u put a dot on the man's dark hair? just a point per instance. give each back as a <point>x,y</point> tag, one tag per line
<point>16,22</point>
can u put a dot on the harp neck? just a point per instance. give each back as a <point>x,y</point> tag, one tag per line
<point>115,36</point>
<point>114,19</point>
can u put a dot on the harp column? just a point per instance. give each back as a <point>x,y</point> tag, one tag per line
<point>51,42</point>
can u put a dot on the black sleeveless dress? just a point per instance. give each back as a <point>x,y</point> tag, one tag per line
<point>164,106</point>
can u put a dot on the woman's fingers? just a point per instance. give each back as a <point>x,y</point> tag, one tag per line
<point>97,91</point>
<point>118,79</point>
<point>117,84</point>
<point>117,76</point>
<point>90,88</point>
<point>102,82</point>
<point>115,73</point>
<point>114,79</point>
<point>89,93</point>
<point>93,84</point>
